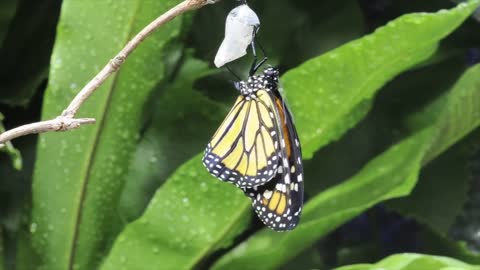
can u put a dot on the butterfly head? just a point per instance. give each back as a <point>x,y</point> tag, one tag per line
<point>268,80</point>
<point>271,74</point>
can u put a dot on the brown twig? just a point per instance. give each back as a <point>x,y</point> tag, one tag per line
<point>67,121</point>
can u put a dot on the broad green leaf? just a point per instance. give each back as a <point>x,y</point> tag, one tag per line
<point>392,174</point>
<point>25,256</point>
<point>8,148</point>
<point>410,261</point>
<point>400,165</point>
<point>183,223</point>
<point>181,124</point>
<point>352,74</point>
<point>27,49</point>
<point>346,99</point>
<point>79,175</point>
<point>475,15</point>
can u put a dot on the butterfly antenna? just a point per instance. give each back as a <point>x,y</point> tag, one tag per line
<point>233,73</point>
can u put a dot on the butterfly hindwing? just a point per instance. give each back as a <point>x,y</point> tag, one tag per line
<point>294,155</point>
<point>279,203</point>
<point>244,150</point>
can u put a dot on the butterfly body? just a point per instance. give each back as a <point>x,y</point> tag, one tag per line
<point>257,149</point>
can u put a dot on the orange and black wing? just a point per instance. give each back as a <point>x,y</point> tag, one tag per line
<point>245,148</point>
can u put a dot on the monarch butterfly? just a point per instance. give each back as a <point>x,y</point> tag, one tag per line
<point>257,149</point>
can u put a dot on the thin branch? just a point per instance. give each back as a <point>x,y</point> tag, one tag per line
<point>60,123</point>
<point>66,120</point>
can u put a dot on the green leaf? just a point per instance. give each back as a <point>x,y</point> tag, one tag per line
<point>25,256</point>
<point>171,139</point>
<point>410,261</point>
<point>392,174</point>
<point>8,148</point>
<point>183,223</point>
<point>148,241</point>
<point>180,126</point>
<point>400,165</point>
<point>335,84</point>
<point>446,177</point>
<point>79,175</point>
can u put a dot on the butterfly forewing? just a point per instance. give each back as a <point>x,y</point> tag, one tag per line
<point>244,150</point>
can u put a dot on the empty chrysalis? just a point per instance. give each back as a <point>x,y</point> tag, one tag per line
<point>240,27</point>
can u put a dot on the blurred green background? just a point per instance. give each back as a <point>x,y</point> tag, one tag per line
<point>386,99</point>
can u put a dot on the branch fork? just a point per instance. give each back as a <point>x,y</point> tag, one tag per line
<point>67,121</point>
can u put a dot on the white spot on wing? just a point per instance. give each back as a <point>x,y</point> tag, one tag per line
<point>287,178</point>
<point>267,194</point>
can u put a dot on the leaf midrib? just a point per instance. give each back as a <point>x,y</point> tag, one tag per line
<point>91,157</point>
